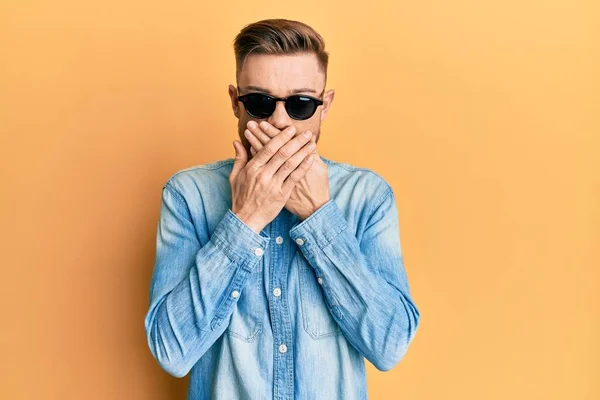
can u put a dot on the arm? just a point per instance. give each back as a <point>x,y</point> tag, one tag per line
<point>364,283</point>
<point>191,290</point>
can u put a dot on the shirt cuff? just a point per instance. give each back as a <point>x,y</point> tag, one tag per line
<point>320,228</point>
<point>239,242</point>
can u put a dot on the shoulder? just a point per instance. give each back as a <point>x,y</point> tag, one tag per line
<point>211,174</point>
<point>358,179</point>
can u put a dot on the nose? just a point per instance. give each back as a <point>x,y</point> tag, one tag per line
<point>280,118</point>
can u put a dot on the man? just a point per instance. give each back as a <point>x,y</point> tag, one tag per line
<point>279,271</point>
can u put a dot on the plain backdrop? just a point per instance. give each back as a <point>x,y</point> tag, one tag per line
<point>482,115</point>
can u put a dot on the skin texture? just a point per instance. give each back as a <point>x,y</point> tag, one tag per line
<point>280,76</point>
<point>261,186</point>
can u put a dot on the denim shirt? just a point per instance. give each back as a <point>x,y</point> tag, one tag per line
<point>287,313</point>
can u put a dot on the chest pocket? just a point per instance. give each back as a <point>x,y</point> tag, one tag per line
<point>316,317</point>
<point>246,321</point>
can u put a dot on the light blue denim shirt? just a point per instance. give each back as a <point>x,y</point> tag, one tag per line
<point>287,313</point>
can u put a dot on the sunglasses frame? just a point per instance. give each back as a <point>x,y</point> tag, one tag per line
<point>316,100</point>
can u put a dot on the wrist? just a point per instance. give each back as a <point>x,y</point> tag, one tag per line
<point>252,223</point>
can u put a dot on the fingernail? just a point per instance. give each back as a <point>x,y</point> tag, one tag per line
<point>307,134</point>
<point>263,124</point>
<point>248,133</point>
<point>252,124</point>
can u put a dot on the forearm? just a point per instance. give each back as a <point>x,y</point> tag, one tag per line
<point>195,288</point>
<point>365,287</point>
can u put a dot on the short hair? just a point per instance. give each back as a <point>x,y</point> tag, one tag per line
<point>279,36</point>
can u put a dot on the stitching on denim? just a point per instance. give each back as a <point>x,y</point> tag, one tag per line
<point>184,203</point>
<point>175,193</point>
<point>387,192</point>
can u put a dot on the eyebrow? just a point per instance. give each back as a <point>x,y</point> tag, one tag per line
<point>259,89</point>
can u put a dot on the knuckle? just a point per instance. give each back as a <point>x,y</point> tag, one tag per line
<point>262,179</point>
<point>288,164</point>
<point>295,177</point>
<point>284,153</point>
<point>268,150</point>
<point>251,166</point>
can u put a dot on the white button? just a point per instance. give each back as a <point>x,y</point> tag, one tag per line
<point>277,292</point>
<point>320,280</point>
<point>300,242</point>
<point>235,294</point>
<point>282,348</point>
<point>279,239</point>
<point>258,252</point>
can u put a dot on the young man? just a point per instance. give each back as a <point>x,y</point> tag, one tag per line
<point>279,271</point>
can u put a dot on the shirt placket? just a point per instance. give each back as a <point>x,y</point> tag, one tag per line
<point>283,369</point>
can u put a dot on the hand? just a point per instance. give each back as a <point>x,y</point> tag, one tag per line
<point>312,190</point>
<point>260,187</point>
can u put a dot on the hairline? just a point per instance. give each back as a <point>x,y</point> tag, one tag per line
<point>298,53</point>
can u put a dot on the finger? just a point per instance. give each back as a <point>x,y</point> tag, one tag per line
<point>270,149</point>
<point>269,129</point>
<point>252,151</point>
<point>254,142</point>
<point>297,174</point>
<point>292,163</point>
<point>241,157</point>
<point>286,152</point>
<point>258,133</point>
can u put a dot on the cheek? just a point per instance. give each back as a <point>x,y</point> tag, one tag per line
<point>313,127</point>
<point>305,126</point>
<point>242,121</point>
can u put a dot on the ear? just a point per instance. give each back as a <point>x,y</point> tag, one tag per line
<point>235,104</point>
<point>327,100</point>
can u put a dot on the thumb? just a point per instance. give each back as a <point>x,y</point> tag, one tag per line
<point>241,157</point>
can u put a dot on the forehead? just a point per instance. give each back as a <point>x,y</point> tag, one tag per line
<point>281,74</point>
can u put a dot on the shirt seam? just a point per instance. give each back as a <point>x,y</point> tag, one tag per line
<point>179,198</point>
<point>380,201</point>
<point>177,195</point>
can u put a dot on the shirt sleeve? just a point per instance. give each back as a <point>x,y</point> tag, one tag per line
<point>195,286</point>
<point>364,283</point>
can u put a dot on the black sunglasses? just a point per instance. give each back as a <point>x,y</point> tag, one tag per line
<point>298,106</point>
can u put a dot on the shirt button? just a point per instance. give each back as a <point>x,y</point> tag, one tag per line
<point>279,239</point>
<point>320,280</point>
<point>300,242</point>
<point>277,292</point>
<point>282,348</point>
<point>258,252</point>
<point>235,294</point>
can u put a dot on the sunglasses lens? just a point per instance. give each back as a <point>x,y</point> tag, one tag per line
<point>301,107</point>
<point>259,105</point>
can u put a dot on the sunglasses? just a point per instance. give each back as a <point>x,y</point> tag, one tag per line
<point>298,106</point>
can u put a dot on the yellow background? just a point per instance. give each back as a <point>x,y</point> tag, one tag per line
<point>482,115</point>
